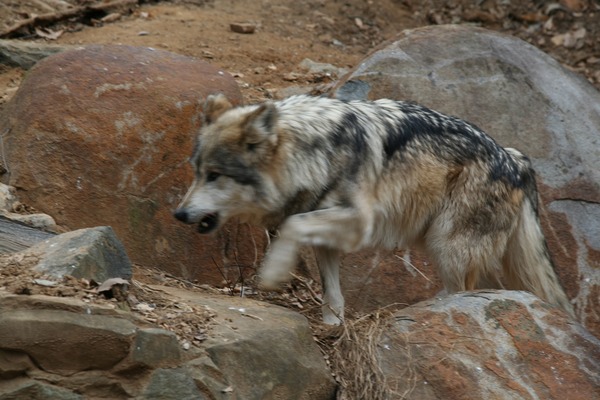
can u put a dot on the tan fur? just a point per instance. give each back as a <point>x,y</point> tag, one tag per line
<point>527,266</point>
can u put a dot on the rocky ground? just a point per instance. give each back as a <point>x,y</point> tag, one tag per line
<point>191,324</point>
<point>286,32</point>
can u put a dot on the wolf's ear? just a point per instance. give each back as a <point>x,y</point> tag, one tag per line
<point>259,124</point>
<point>215,105</point>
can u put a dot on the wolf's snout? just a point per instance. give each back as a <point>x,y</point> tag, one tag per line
<point>182,215</point>
<point>207,223</point>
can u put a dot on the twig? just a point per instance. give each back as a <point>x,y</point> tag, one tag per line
<point>253,244</point>
<point>144,287</point>
<point>415,268</point>
<point>182,280</point>
<point>231,289</point>
<point>315,297</point>
<point>240,268</point>
<point>62,15</point>
<point>252,316</point>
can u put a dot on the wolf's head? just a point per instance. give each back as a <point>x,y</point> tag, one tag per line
<point>234,152</point>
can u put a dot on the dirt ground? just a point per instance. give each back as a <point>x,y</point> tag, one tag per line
<point>286,32</point>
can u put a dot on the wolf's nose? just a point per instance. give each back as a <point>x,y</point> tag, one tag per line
<point>181,215</point>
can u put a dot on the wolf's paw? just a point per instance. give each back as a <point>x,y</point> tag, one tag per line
<point>333,316</point>
<point>278,264</point>
<point>272,278</point>
<point>269,285</point>
<point>331,319</point>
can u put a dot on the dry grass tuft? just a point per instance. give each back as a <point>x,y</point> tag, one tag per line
<point>352,351</point>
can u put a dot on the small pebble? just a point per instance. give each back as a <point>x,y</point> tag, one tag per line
<point>242,27</point>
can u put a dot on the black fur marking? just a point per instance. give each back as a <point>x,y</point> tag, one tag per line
<point>528,183</point>
<point>232,167</point>
<point>318,142</point>
<point>358,140</point>
<point>504,168</point>
<point>350,135</point>
<point>395,140</point>
<point>449,138</point>
<point>268,117</point>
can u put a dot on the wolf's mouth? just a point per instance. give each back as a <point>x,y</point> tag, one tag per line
<point>208,223</point>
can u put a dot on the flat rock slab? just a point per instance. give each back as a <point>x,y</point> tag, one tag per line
<point>64,342</point>
<point>274,343</point>
<point>62,345</point>
<point>16,236</point>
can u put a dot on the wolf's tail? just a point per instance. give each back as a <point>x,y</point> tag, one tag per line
<point>527,264</point>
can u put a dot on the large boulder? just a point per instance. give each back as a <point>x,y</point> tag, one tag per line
<point>101,135</point>
<point>479,345</point>
<point>524,99</point>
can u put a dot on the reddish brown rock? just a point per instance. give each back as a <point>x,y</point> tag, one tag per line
<point>101,136</point>
<point>484,345</point>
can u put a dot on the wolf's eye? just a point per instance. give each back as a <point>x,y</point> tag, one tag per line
<point>212,176</point>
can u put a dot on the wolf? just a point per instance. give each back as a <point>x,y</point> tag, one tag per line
<point>341,176</point>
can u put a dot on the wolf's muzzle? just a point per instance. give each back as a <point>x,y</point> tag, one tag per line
<point>207,224</point>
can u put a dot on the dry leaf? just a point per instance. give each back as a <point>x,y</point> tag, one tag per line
<point>112,17</point>
<point>579,33</point>
<point>109,283</point>
<point>575,5</point>
<point>242,27</point>
<point>532,17</point>
<point>45,282</point>
<point>479,16</point>
<point>558,40</point>
<point>48,33</point>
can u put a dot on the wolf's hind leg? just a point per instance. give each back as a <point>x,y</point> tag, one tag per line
<point>328,260</point>
<point>468,262</point>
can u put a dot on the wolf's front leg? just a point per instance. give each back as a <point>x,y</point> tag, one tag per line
<point>333,228</point>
